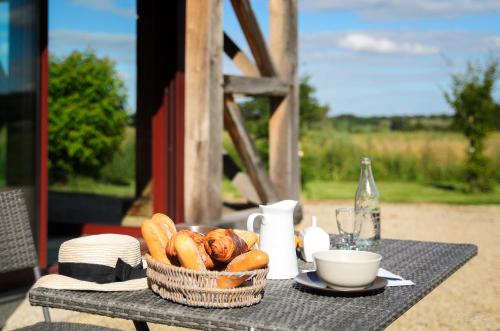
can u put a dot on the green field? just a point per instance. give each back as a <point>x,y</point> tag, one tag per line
<point>408,167</point>
<point>81,184</point>
<point>400,192</point>
<point>318,190</point>
<point>421,156</point>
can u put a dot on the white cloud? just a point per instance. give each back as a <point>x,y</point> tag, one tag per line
<point>76,35</point>
<point>327,46</point>
<point>494,41</point>
<point>384,71</point>
<point>368,43</point>
<point>109,41</point>
<point>109,6</point>
<point>397,9</point>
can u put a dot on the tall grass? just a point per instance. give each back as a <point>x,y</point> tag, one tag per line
<point>397,156</point>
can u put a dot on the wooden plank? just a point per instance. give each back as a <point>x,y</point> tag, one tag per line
<point>203,112</point>
<point>284,123</point>
<point>240,59</point>
<point>266,86</point>
<point>254,37</point>
<point>234,124</point>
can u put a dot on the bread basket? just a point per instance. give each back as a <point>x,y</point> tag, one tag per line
<point>199,288</point>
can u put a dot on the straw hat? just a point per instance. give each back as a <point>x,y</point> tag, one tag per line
<point>105,262</point>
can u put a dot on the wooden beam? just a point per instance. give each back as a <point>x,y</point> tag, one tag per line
<point>240,59</point>
<point>233,121</point>
<point>254,37</point>
<point>203,117</point>
<point>284,123</point>
<point>266,86</point>
<point>240,180</point>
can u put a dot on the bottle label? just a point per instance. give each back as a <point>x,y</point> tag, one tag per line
<point>370,230</point>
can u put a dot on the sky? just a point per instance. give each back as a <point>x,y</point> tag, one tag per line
<point>365,57</point>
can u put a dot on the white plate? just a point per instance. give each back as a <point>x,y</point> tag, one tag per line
<point>311,280</point>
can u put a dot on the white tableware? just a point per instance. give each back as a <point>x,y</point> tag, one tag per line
<point>314,239</point>
<point>346,268</point>
<point>311,280</point>
<point>277,238</point>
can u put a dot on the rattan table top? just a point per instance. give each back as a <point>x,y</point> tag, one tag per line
<point>286,305</point>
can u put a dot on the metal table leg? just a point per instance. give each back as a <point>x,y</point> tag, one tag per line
<point>141,326</point>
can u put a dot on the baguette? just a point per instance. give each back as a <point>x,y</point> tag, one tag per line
<point>156,240</point>
<point>165,223</point>
<point>249,237</point>
<point>254,259</point>
<point>187,252</point>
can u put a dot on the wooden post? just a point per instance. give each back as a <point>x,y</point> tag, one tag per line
<point>284,124</point>
<point>203,116</point>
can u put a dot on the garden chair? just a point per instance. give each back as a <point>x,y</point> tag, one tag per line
<point>17,251</point>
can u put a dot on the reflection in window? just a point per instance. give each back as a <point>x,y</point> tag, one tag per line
<point>4,39</point>
<point>19,81</point>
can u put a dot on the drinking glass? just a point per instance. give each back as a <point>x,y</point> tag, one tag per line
<point>349,221</point>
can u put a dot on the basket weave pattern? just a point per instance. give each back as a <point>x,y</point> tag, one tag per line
<point>199,288</point>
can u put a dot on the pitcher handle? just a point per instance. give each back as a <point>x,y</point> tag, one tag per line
<point>251,219</point>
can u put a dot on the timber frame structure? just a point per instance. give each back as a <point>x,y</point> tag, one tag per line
<point>210,105</point>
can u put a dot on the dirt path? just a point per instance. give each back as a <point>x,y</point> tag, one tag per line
<point>468,300</point>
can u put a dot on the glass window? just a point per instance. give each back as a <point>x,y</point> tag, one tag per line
<point>19,81</point>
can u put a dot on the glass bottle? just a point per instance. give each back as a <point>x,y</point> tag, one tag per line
<point>367,197</point>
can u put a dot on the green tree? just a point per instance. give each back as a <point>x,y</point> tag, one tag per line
<point>313,114</point>
<point>471,97</point>
<point>87,114</point>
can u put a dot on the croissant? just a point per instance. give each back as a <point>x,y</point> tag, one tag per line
<point>199,239</point>
<point>224,245</point>
<point>249,237</point>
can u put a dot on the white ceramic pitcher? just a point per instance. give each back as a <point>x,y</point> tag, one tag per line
<point>277,238</point>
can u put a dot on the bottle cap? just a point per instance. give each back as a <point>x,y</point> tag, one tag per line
<point>366,160</point>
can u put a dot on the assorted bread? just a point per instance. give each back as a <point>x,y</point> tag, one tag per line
<point>220,249</point>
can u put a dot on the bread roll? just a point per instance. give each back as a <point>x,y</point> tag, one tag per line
<point>156,239</point>
<point>224,245</point>
<point>254,259</point>
<point>187,252</point>
<point>199,239</point>
<point>165,223</point>
<point>249,237</point>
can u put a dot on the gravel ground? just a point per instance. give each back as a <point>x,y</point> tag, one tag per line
<point>468,300</point>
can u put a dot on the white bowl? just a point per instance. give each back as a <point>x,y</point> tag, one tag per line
<point>345,268</point>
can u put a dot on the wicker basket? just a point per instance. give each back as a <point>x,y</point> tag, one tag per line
<point>199,288</point>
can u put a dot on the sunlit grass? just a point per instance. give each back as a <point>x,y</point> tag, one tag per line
<point>91,186</point>
<point>401,192</point>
